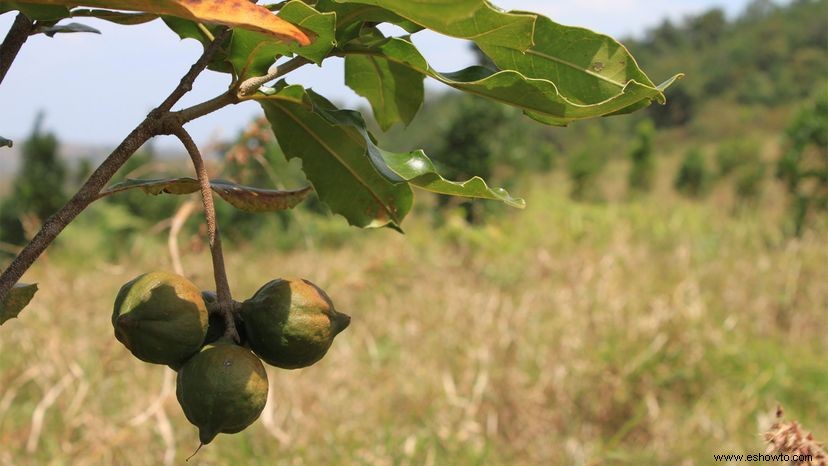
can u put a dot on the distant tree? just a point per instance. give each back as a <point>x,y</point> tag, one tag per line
<point>666,35</point>
<point>641,158</point>
<point>733,154</point>
<point>678,111</point>
<point>803,166</point>
<point>749,178</point>
<point>740,161</point>
<point>585,167</point>
<point>708,27</point>
<point>82,171</point>
<point>692,178</point>
<point>39,185</point>
<point>469,144</point>
<point>758,9</point>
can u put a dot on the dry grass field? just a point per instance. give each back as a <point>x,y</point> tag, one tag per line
<point>650,332</point>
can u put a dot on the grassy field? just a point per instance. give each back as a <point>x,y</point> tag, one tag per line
<point>651,332</point>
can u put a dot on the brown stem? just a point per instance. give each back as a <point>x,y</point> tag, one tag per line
<point>186,84</point>
<point>159,121</point>
<point>16,37</point>
<point>225,299</point>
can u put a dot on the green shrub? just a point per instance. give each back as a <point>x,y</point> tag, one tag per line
<point>749,178</point>
<point>803,166</point>
<point>693,177</point>
<point>641,157</point>
<point>735,153</point>
<point>38,186</point>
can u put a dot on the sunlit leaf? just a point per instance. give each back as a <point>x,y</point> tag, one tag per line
<point>335,158</point>
<point>235,13</point>
<point>117,17</point>
<point>357,179</point>
<point>36,12</point>
<point>350,17</point>
<point>588,68</point>
<point>252,53</point>
<point>394,90</point>
<point>18,297</point>
<point>475,20</point>
<point>416,168</point>
<point>241,197</point>
<point>539,98</point>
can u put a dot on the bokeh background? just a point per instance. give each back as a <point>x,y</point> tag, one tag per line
<point>664,291</point>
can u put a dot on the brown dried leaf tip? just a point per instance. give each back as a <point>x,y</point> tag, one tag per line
<point>788,438</point>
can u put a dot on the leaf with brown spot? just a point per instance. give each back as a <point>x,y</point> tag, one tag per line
<point>233,13</point>
<point>18,298</point>
<point>259,200</point>
<point>117,17</point>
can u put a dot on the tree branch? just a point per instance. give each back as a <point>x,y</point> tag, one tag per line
<point>159,121</point>
<point>16,37</point>
<point>249,86</point>
<point>225,299</point>
<point>186,84</point>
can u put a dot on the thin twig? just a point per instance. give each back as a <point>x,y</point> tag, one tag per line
<point>225,299</point>
<point>186,83</point>
<point>248,87</point>
<point>15,38</point>
<point>159,121</point>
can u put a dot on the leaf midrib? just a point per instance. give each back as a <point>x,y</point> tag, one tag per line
<point>333,153</point>
<point>575,67</point>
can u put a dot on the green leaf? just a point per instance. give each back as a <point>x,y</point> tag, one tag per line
<point>17,298</point>
<point>475,20</point>
<point>416,168</point>
<point>6,142</point>
<point>244,198</point>
<point>117,17</point>
<point>36,12</point>
<point>335,158</point>
<point>233,13</point>
<point>252,53</point>
<point>65,28</point>
<point>395,91</point>
<point>588,69</point>
<point>341,135</point>
<point>351,17</point>
<point>539,98</point>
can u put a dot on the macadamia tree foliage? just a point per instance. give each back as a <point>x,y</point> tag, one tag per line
<point>554,74</point>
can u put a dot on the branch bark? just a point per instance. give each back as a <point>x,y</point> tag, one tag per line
<point>159,121</point>
<point>225,299</point>
<point>15,38</point>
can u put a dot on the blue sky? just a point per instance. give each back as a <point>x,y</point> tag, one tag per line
<point>96,88</point>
